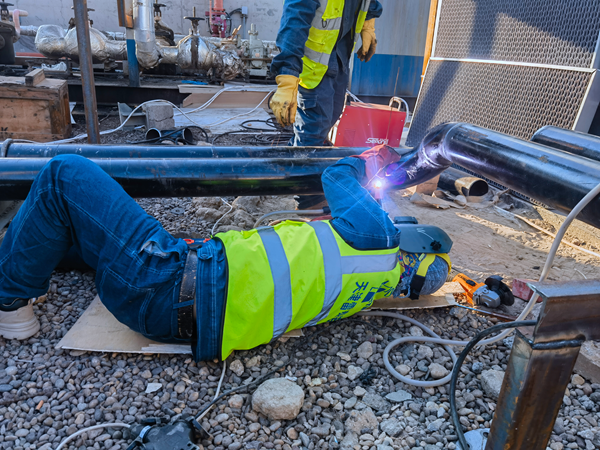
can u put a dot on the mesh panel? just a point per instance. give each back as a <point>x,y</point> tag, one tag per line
<point>555,32</point>
<point>516,100</point>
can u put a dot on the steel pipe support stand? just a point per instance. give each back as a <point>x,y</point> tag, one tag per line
<point>539,370</point>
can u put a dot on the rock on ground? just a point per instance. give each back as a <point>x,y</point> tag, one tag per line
<point>361,420</point>
<point>278,398</point>
<point>491,382</point>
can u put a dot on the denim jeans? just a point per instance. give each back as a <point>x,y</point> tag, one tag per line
<point>138,264</point>
<point>320,108</point>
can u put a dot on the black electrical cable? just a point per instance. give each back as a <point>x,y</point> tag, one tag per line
<point>278,136</point>
<point>459,363</point>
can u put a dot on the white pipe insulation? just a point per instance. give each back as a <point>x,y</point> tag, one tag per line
<point>145,39</point>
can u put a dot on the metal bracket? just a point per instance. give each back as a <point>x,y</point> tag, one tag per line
<point>476,439</point>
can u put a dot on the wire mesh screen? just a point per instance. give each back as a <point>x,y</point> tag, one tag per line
<point>516,100</point>
<point>552,32</point>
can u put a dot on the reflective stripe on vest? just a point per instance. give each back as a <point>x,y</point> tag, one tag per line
<point>280,271</point>
<point>297,274</point>
<point>322,37</point>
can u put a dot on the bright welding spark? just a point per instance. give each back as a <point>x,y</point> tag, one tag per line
<point>377,184</point>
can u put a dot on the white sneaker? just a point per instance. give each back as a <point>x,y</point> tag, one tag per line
<point>20,324</point>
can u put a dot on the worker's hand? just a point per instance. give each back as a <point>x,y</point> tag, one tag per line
<point>369,41</point>
<point>377,159</point>
<point>285,101</point>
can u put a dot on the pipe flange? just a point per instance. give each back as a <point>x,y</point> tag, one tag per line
<point>4,147</point>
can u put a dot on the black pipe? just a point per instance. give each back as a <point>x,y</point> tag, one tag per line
<point>551,176</point>
<point>461,183</point>
<point>23,150</point>
<point>569,141</point>
<point>185,177</point>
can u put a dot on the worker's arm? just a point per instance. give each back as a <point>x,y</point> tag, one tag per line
<point>375,10</point>
<point>293,32</point>
<point>357,217</point>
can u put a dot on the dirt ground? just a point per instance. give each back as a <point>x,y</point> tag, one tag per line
<point>486,242</point>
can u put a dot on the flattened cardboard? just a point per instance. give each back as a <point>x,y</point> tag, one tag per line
<point>441,299</point>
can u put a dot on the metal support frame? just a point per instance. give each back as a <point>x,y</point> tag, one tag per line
<point>87,70</point>
<point>538,371</point>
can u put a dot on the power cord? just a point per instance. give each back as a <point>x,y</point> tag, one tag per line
<point>458,364</point>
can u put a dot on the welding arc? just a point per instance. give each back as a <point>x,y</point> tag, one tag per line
<point>458,364</point>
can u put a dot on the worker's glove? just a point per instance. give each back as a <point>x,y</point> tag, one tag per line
<point>369,41</point>
<point>376,159</point>
<point>284,102</point>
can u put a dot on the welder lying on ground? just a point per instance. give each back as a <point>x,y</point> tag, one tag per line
<point>238,290</point>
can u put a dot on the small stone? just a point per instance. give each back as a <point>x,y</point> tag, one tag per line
<point>376,402</point>
<point>180,387</point>
<point>222,417</point>
<point>557,446</point>
<point>146,374</point>
<point>361,420</point>
<point>359,391</point>
<point>491,382</point>
<point>344,356</point>
<point>11,370</point>
<point>5,388</point>
<point>398,396</point>
<point>438,371</point>
<point>354,372</point>
<point>391,427</point>
<point>254,427</point>
<point>350,403</point>
<point>236,401</point>
<point>577,380</point>
<point>415,331</point>
<point>424,352</point>
<point>278,398</point>
<point>292,434</point>
<point>403,369</point>
<point>253,362</point>
<point>152,387</point>
<point>365,350</point>
<point>477,367</point>
<point>237,367</point>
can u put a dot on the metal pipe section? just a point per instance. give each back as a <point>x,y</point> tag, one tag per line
<point>87,70</point>
<point>24,150</point>
<point>573,142</point>
<point>145,39</point>
<point>459,182</point>
<point>551,176</point>
<point>185,177</point>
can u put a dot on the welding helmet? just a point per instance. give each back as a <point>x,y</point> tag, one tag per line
<point>423,257</point>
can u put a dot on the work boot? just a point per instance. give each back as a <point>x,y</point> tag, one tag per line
<point>17,320</point>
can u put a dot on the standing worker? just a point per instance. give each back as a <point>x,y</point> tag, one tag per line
<point>317,38</point>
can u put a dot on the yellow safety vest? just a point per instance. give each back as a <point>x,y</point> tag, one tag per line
<point>322,37</point>
<point>297,274</point>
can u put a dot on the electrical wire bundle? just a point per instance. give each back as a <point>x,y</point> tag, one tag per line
<point>272,134</point>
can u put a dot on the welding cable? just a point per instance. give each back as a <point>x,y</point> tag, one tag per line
<point>207,410</point>
<point>212,232</point>
<point>458,364</point>
<point>308,212</point>
<point>447,342</point>
<point>85,430</point>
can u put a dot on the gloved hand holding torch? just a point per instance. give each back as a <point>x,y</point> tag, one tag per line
<point>377,159</point>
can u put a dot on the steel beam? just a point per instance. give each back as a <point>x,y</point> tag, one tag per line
<point>87,70</point>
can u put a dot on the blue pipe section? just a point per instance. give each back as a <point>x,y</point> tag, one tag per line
<point>134,67</point>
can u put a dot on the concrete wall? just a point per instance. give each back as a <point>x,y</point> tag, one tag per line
<point>264,13</point>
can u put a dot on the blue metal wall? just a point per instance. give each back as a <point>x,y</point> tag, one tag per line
<point>401,35</point>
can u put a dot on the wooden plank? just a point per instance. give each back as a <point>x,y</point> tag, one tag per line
<point>35,77</point>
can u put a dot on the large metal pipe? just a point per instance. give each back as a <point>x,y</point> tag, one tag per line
<point>145,39</point>
<point>24,150</point>
<point>185,177</point>
<point>551,176</point>
<point>87,71</point>
<point>569,141</point>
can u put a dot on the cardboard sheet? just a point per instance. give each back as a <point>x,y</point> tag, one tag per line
<point>442,298</point>
<point>97,330</point>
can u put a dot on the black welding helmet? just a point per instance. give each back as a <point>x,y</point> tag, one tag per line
<point>423,256</point>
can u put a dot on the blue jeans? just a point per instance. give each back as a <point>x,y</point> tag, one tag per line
<point>139,265</point>
<point>320,108</point>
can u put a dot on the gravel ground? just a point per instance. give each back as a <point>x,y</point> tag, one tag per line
<point>350,400</point>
